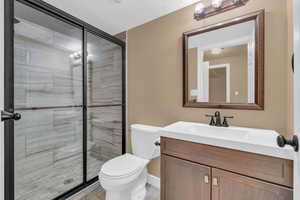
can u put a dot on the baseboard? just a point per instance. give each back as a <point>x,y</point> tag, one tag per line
<point>154,181</point>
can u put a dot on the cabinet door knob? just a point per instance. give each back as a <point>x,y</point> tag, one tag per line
<point>282,141</point>
<point>206,179</point>
<point>215,182</point>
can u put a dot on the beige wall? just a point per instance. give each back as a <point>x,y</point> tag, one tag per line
<point>155,71</point>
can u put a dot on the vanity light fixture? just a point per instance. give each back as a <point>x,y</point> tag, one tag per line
<point>216,7</point>
<point>216,3</point>
<point>237,2</point>
<point>199,10</point>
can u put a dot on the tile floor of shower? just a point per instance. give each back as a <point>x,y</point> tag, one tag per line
<point>98,193</point>
<point>51,181</point>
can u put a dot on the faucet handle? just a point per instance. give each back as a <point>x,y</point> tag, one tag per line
<point>228,117</point>
<point>212,120</point>
<point>225,122</point>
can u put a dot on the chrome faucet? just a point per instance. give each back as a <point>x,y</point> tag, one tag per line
<point>216,120</point>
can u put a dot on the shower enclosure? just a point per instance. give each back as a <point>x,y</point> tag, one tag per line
<point>66,79</point>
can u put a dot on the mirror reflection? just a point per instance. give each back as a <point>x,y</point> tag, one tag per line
<point>221,65</point>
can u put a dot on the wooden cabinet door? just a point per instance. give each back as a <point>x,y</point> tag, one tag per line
<point>230,186</point>
<point>184,180</point>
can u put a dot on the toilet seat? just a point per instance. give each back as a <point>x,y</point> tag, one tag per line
<point>123,166</point>
<point>125,177</point>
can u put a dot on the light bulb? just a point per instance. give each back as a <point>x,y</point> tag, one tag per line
<point>76,55</point>
<point>236,1</point>
<point>216,51</point>
<point>217,3</point>
<point>199,9</point>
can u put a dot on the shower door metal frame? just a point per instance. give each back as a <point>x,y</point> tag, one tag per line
<point>9,185</point>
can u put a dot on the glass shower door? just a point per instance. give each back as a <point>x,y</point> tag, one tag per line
<point>104,102</point>
<point>48,94</point>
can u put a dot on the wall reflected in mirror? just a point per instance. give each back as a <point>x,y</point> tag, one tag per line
<point>221,65</point>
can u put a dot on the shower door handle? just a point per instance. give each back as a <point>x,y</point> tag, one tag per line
<point>8,116</point>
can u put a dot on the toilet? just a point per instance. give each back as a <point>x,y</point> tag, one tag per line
<point>125,177</point>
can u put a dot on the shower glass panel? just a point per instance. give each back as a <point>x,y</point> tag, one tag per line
<point>48,94</point>
<point>104,98</point>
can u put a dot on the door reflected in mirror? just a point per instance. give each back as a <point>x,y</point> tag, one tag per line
<point>224,64</point>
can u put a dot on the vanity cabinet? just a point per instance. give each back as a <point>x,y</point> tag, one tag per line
<point>193,171</point>
<point>231,186</point>
<point>186,180</point>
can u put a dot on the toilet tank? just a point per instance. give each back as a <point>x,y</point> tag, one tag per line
<point>143,138</point>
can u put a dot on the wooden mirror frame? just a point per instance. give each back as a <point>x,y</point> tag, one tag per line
<point>259,18</point>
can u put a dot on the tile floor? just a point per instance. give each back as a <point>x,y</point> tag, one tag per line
<point>99,194</point>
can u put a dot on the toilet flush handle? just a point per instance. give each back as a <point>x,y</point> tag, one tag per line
<point>157,143</point>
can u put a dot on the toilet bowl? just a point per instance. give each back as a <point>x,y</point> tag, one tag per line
<point>125,177</point>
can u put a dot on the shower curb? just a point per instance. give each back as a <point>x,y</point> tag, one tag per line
<point>81,194</point>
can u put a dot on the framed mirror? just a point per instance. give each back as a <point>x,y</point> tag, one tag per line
<point>223,64</point>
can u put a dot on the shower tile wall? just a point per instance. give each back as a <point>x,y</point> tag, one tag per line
<point>48,93</point>
<point>104,137</point>
<point>44,76</point>
<point>48,142</point>
<point>48,153</point>
<point>105,72</point>
<point>104,103</point>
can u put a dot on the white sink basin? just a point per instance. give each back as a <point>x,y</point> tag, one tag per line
<point>258,141</point>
